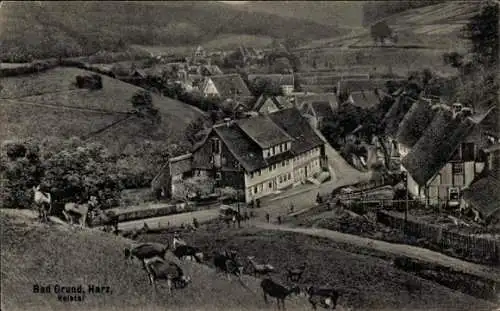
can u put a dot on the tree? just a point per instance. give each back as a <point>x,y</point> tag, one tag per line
<point>191,188</point>
<point>194,127</point>
<point>380,31</point>
<point>482,31</point>
<point>142,101</point>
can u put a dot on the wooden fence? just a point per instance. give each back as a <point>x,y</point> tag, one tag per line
<point>464,245</point>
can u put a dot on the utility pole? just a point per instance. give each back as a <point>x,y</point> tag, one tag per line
<point>405,180</point>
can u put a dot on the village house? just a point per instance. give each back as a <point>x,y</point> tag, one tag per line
<point>285,82</point>
<point>300,100</point>
<point>258,156</point>
<point>448,156</point>
<point>269,104</point>
<point>483,193</point>
<point>225,86</point>
<point>318,111</point>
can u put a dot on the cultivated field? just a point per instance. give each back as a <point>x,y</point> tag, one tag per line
<point>368,283</point>
<point>38,254</point>
<point>48,104</point>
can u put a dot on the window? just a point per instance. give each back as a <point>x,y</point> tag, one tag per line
<point>260,172</point>
<point>266,153</point>
<point>260,188</point>
<point>457,168</point>
<point>251,175</point>
<point>270,185</point>
<point>281,179</point>
<point>218,176</point>
<point>287,162</point>
<point>468,151</point>
<point>289,176</point>
<point>283,163</point>
<point>215,145</point>
<point>281,148</point>
<point>271,152</point>
<point>255,189</point>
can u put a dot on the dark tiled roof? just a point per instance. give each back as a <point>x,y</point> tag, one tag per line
<point>436,146</point>
<point>303,99</point>
<point>263,131</point>
<point>227,84</point>
<point>365,99</point>
<point>396,113</point>
<point>247,152</point>
<point>280,79</point>
<point>483,193</point>
<point>354,85</point>
<point>415,122</point>
<point>292,122</point>
<point>322,108</point>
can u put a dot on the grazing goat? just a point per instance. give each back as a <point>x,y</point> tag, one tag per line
<point>42,199</point>
<point>158,269</point>
<point>182,251</point>
<point>269,287</point>
<point>80,211</point>
<point>106,218</point>
<point>146,251</point>
<point>295,274</point>
<point>325,297</point>
<point>227,263</point>
<point>262,269</point>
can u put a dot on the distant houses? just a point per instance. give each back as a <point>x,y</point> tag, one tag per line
<point>225,86</point>
<point>285,82</point>
<point>257,156</point>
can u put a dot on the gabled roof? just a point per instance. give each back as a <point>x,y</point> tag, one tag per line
<point>483,193</point>
<point>364,99</point>
<point>396,113</point>
<point>280,79</point>
<point>437,145</point>
<point>302,99</point>
<point>321,109</point>
<point>415,122</point>
<point>281,102</point>
<point>228,84</point>
<point>246,151</point>
<point>292,122</point>
<point>263,131</point>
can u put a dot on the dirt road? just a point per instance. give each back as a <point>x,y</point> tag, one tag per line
<point>395,249</point>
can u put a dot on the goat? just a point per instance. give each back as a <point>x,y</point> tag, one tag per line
<point>325,297</point>
<point>182,251</point>
<point>273,289</point>
<point>227,263</point>
<point>262,269</point>
<point>81,211</point>
<point>146,251</point>
<point>178,241</point>
<point>295,274</point>
<point>42,199</point>
<point>158,269</point>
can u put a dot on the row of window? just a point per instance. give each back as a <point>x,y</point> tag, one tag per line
<point>283,178</point>
<point>270,168</point>
<point>277,150</point>
<point>304,155</point>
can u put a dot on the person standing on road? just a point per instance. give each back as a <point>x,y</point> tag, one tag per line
<point>279,220</point>
<point>291,208</point>
<point>267,217</point>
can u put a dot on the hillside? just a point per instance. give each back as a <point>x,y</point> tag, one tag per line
<point>48,104</point>
<point>334,13</point>
<point>435,26</point>
<point>33,253</point>
<point>49,29</point>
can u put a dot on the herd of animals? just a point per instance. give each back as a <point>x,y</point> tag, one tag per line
<point>158,267</point>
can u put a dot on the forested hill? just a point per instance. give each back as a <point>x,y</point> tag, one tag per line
<point>49,28</point>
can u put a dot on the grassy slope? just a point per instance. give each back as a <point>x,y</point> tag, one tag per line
<point>59,255</point>
<point>371,283</point>
<point>85,27</point>
<point>343,14</point>
<point>23,120</point>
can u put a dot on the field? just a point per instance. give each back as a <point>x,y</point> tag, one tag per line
<point>368,283</point>
<point>48,104</point>
<point>37,254</point>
